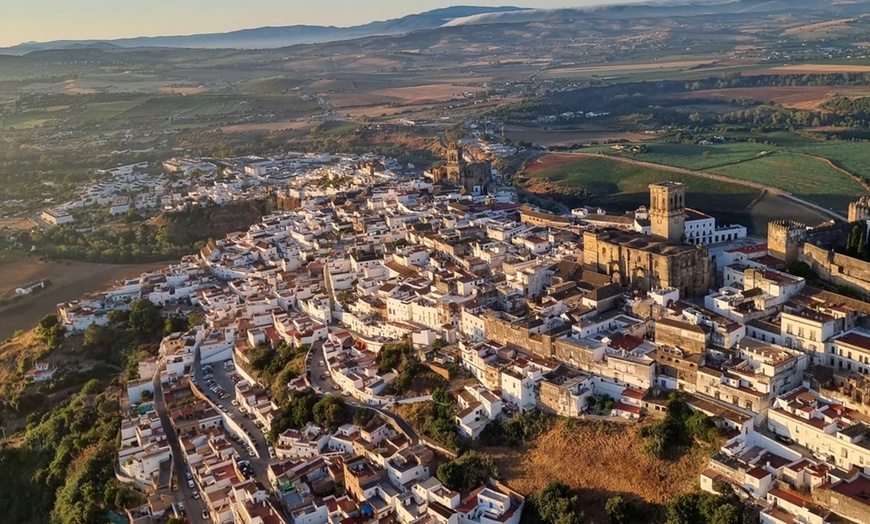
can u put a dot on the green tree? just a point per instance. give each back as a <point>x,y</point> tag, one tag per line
<point>619,510</point>
<point>48,321</point>
<point>96,338</point>
<point>329,411</point>
<point>145,318</point>
<point>468,471</point>
<point>195,319</point>
<point>683,509</point>
<point>556,504</point>
<point>729,514</point>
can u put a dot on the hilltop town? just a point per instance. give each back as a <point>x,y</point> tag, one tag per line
<point>371,276</point>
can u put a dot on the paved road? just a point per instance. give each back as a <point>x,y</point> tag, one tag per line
<point>259,464</point>
<point>326,385</point>
<point>184,494</point>
<point>713,176</point>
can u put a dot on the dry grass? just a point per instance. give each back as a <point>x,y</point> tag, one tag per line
<point>817,68</point>
<point>598,460</point>
<point>424,94</point>
<point>820,26</point>
<point>180,90</point>
<point>285,125</point>
<point>21,224</point>
<point>557,137</point>
<point>548,161</point>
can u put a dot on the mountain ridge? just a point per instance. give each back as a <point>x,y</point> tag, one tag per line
<point>274,37</point>
<point>269,37</point>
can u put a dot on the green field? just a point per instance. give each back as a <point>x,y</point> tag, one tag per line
<point>802,176</point>
<point>626,186</point>
<point>700,158</point>
<point>782,165</point>
<point>105,110</point>
<point>27,120</point>
<point>215,106</point>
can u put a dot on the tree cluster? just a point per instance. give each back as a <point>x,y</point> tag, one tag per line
<point>51,331</point>
<point>856,244</point>
<point>705,508</point>
<point>304,407</point>
<point>63,470</point>
<point>555,504</point>
<point>467,472</point>
<point>522,428</point>
<point>679,427</point>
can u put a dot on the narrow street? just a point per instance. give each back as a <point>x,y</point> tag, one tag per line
<point>260,460</point>
<point>326,385</point>
<point>192,506</point>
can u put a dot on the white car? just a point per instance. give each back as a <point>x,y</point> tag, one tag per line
<point>235,402</point>
<point>190,484</point>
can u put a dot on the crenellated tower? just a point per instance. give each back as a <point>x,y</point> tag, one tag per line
<point>784,238</point>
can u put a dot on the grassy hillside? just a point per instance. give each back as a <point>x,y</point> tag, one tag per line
<point>201,223</point>
<point>620,185</point>
<point>804,176</point>
<point>821,172</point>
<point>580,453</point>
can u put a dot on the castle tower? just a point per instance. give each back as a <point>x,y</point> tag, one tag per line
<point>784,238</point>
<point>667,210</point>
<point>455,162</point>
<point>859,210</point>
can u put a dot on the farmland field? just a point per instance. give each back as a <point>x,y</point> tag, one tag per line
<point>625,186</point>
<point>69,281</point>
<point>800,97</point>
<point>790,167</point>
<point>804,176</point>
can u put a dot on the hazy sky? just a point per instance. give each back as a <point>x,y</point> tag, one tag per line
<point>45,20</point>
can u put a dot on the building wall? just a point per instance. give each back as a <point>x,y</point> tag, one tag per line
<point>838,269</point>
<point>688,271</point>
<point>842,505</point>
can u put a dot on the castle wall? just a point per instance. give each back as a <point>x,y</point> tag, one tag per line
<point>838,269</point>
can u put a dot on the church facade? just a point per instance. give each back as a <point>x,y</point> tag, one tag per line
<point>470,177</point>
<point>660,260</point>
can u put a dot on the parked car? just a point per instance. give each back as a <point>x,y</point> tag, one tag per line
<point>196,494</point>
<point>234,402</point>
<point>205,514</point>
<point>190,484</point>
<point>784,439</point>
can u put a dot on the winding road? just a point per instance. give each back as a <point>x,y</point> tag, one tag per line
<point>713,176</point>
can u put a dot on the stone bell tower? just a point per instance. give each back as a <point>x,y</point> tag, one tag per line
<point>667,210</point>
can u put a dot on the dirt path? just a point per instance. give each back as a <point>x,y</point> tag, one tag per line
<point>721,178</point>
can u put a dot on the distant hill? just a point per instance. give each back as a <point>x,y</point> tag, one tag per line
<point>273,37</point>
<point>668,9</point>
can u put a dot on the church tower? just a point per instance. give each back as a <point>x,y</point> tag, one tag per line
<point>455,163</point>
<point>667,210</point>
